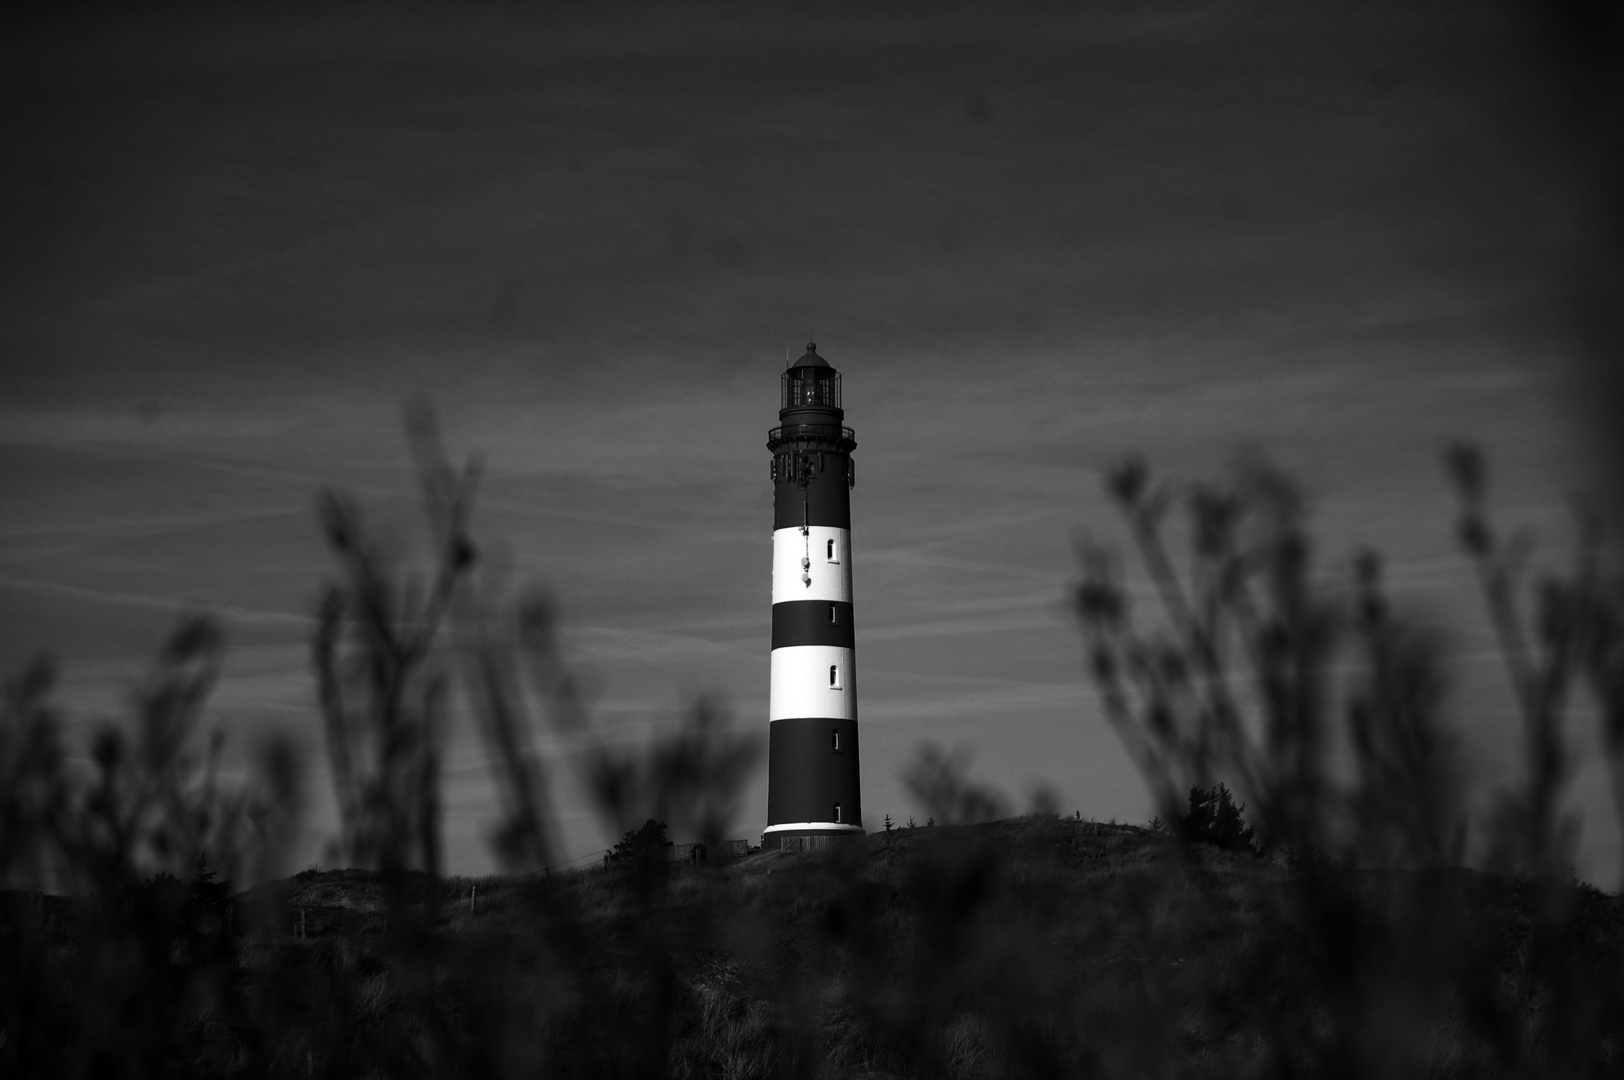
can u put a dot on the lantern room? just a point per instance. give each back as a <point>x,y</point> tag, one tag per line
<point>809,383</point>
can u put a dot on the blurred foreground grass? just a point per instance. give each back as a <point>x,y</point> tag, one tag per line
<point>1030,946</point>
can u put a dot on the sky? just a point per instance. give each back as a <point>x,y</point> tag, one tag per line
<point>1033,240</point>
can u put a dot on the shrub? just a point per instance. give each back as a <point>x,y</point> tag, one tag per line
<point>1213,818</point>
<point>1255,661</point>
<point>643,843</point>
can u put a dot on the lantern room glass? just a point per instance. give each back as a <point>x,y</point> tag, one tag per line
<point>805,386</point>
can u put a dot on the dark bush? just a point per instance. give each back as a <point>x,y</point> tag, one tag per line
<point>1213,818</point>
<point>642,843</point>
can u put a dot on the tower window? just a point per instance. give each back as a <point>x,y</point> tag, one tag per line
<point>829,550</point>
<point>834,739</point>
<point>834,676</point>
<point>837,813</point>
<point>834,615</point>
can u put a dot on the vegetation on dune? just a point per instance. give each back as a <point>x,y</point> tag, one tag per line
<point>646,842</point>
<point>1321,701</point>
<point>1213,818</point>
<point>987,946</point>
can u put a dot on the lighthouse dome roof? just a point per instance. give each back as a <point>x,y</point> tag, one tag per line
<point>811,359</point>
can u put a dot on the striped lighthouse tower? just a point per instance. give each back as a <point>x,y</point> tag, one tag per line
<point>812,776</point>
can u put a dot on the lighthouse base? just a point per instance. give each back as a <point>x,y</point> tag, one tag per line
<point>807,835</point>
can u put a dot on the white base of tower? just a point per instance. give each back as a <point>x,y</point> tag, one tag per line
<point>808,826</point>
<point>808,835</point>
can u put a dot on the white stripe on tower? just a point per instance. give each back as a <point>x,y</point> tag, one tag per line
<point>822,577</point>
<point>813,680</point>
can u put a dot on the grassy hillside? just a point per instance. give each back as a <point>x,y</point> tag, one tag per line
<point>1030,946</point>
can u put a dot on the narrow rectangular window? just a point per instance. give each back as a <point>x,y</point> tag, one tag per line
<point>829,550</point>
<point>834,676</point>
<point>834,618</point>
<point>834,739</point>
<point>837,813</point>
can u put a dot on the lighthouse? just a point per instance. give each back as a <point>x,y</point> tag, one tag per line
<point>813,790</point>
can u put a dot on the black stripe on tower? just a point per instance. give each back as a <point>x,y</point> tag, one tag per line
<point>813,622</point>
<point>811,766</point>
<point>826,499</point>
